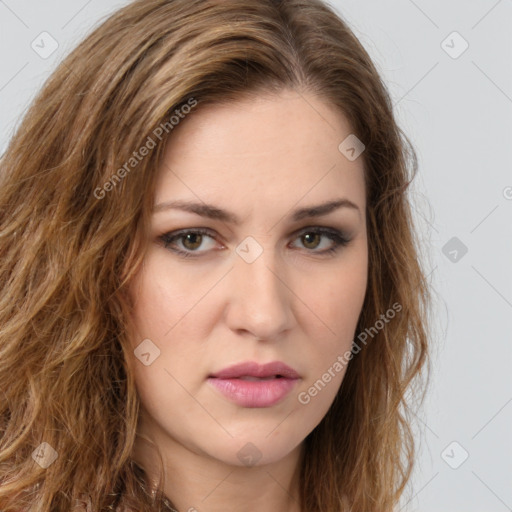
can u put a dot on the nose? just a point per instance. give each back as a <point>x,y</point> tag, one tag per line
<point>259,299</point>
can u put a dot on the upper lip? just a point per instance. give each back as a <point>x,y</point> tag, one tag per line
<point>253,369</point>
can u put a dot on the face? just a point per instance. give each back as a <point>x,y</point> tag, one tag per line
<point>258,255</point>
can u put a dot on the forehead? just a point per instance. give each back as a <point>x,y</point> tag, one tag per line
<point>286,143</point>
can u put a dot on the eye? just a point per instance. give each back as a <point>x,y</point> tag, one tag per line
<point>328,239</point>
<point>186,243</point>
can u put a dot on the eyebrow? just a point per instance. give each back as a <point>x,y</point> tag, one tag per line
<point>213,212</point>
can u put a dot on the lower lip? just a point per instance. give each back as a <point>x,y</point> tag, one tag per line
<point>252,393</point>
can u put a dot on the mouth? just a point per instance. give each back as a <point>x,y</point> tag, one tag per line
<point>253,385</point>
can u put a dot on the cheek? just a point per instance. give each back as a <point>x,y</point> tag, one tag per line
<point>165,300</point>
<point>336,297</point>
<point>167,312</point>
<point>335,304</point>
<point>170,310</point>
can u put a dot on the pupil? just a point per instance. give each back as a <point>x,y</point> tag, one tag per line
<point>311,238</point>
<point>192,241</point>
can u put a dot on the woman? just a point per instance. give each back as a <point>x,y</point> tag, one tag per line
<point>211,292</point>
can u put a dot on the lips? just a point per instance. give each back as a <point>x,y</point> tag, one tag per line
<point>253,385</point>
<point>256,371</point>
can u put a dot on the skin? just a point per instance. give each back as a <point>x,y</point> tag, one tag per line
<point>259,158</point>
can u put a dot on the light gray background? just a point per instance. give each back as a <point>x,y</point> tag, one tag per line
<point>458,113</point>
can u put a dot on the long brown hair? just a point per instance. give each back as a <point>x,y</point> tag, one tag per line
<point>73,230</point>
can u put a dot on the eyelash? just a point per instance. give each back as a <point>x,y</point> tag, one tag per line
<point>338,237</point>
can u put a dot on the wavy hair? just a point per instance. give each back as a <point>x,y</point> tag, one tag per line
<point>72,235</point>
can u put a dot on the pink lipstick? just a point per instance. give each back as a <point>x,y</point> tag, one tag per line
<point>250,384</point>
